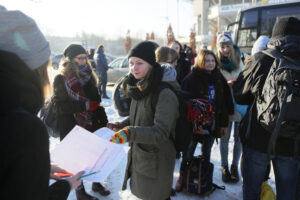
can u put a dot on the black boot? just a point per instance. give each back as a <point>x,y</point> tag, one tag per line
<point>226,176</point>
<point>82,195</point>
<point>98,187</point>
<point>234,174</point>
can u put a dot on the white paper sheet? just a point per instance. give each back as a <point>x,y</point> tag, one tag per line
<point>83,150</point>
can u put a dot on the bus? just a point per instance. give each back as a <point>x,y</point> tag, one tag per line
<point>259,20</point>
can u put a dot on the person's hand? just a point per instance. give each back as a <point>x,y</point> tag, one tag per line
<point>55,169</point>
<point>75,180</point>
<point>230,82</point>
<point>115,127</point>
<point>199,131</point>
<point>223,131</point>
<point>120,137</point>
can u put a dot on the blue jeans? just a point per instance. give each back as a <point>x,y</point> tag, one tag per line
<point>237,148</point>
<point>254,169</point>
<point>206,146</point>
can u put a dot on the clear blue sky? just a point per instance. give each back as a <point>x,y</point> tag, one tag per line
<point>111,18</point>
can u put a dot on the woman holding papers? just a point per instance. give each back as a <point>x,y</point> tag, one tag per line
<point>24,84</point>
<point>77,102</point>
<point>151,157</point>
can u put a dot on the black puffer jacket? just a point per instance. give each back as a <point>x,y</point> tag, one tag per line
<point>24,145</point>
<point>66,107</point>
<point>250,82</point>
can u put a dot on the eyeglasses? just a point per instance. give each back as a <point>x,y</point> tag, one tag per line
<point>81,58</point>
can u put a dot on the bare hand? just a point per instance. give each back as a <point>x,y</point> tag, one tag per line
<point>75,180</point>
<point>223,131</point>
<point>230,83</point>
<point>115,127</point>
<point>55,168</point>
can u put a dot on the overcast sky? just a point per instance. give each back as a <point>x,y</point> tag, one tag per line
<point>111,18</point>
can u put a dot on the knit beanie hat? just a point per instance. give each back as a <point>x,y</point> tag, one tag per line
<point>20,35</point>
<point>73,50</point>
<point>146,51</point>
<point>224,38</point>
<point>286,26</point>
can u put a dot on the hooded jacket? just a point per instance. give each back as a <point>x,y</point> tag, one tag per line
<point>24,145</point>
<point>248,85</point>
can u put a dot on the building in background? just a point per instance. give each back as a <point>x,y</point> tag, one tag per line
<point>212,14</point>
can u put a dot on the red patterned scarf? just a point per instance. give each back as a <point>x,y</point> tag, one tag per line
<point>74,86</point>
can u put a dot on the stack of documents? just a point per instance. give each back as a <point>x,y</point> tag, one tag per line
<point>92,153</point>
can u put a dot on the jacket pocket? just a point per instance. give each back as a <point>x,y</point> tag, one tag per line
<point>146,162</point>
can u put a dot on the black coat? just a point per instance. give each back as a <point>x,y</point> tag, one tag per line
<point>24,145</point>
<point>183,67</point>
<point>249,83</point>
<point>197,84</point>
<point>65,107</point>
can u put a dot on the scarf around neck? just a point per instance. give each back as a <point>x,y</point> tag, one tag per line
<point>137,89</point>
<point>74,84</point>
<point>226,64</point>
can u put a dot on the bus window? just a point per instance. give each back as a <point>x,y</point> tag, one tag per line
<point>247,37</point>
<point>268,17</point>
<point>249,19</point>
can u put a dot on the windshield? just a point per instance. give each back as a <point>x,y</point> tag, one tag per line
<point>268,17</point>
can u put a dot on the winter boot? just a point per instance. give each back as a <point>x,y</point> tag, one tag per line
<point>234,174</point>
<point>82,195</point>
<point>179,183</point>
<point>98,187</point>
<point>226,176</point>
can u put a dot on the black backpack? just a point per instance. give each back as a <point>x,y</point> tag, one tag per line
<point>278,105</point>
<point>198,177</point>
<point>48,116</point>
<point>121,100</point>
<point>184,127</point>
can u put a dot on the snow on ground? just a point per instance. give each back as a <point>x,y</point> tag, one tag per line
<point>115,179</point>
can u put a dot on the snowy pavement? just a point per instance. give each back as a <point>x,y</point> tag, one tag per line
<point>115,179</point>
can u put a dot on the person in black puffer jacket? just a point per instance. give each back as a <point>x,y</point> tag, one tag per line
<point>285,40</point>
<point>24,144</point>
<point>77,102</point>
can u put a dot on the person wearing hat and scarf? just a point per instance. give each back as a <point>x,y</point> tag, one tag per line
<point>230,65</point>
<point>77,102</point>
<point>24,84</point>
<point>151,157</point>
<point>286,41</point>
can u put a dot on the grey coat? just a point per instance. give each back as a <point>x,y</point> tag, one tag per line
<point>151,157</point>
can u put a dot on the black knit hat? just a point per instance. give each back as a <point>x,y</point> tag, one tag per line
<point>286,26</point>
<point>146,51</point>
<point>73,50</point>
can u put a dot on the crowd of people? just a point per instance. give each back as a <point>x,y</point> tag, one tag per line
<point>233,88</point>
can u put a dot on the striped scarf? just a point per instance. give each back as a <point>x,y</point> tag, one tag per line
<point>74,86</point>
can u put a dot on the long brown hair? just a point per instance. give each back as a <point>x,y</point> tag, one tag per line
<point>202,56</point>
<point>72,66</point>
<point>42,74</point>
<point>234,57</point>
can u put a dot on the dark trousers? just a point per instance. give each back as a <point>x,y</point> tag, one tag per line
<point>206,146</point>
<point>102,81</point>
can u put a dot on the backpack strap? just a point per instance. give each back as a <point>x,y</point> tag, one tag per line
<point>155,95</point>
